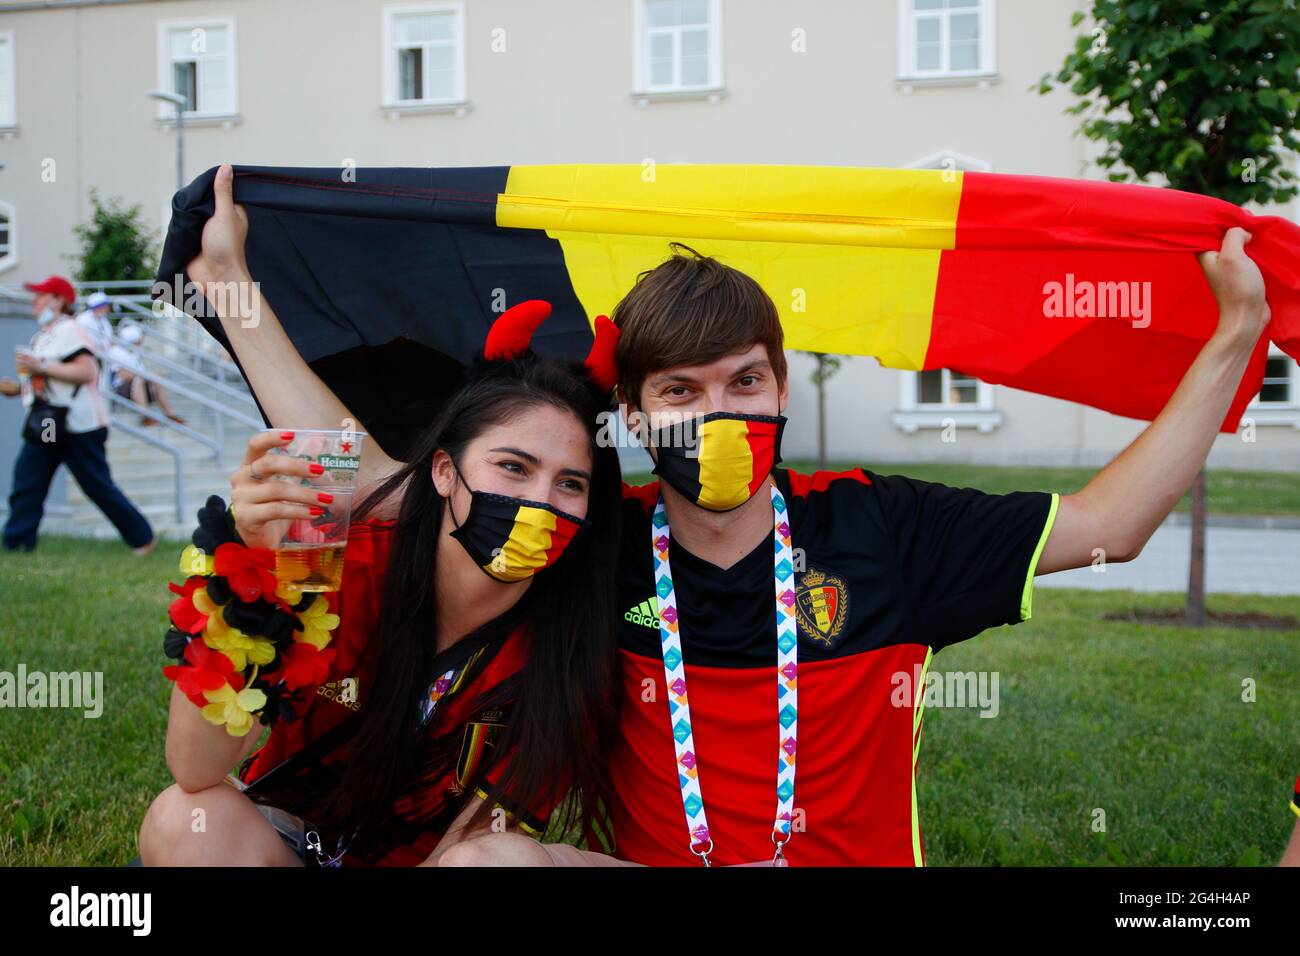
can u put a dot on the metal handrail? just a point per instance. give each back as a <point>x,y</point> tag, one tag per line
<point>193,395</point>
<point>139,308</point>
<point>232,393</point>
<point>155,329</point>
<point>213,443</point>
<point>172,450</point>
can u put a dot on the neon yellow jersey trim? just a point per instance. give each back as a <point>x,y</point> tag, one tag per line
<point>1295,809</point>
<point>1027,595</point>
<point>919,709</point>
<point>531,831</point>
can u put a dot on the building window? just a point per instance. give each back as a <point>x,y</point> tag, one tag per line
<point>8,97</point>
<point>8,237</point>
<point>945,38</point>
<point>424,54</point>
<point>678,45</point>
<point>940,398</point>
<point>1278,401</point>
<point>197,61</point>
<point>1281,388</point>
<point>944,388</point>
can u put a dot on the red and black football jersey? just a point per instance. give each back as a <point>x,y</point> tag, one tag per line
<point>458,754</point>
<point>889,570</point>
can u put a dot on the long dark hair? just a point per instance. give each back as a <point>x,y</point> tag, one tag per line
<point>564,712</point>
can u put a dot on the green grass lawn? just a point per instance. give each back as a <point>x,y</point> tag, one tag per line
<point>1145,723</point>
<point>1228,492</point>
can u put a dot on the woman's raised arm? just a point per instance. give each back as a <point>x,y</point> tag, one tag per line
<point>292,395</point>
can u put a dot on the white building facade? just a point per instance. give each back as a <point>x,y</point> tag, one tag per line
<point>927,83</point>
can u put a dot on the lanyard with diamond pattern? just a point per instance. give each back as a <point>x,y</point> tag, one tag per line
<point>787,666</point>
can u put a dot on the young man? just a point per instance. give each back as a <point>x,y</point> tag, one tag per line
<point>889,571</point>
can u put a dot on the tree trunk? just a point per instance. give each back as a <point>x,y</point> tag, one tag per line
<point>1195,613</point>
<point>821,412</point>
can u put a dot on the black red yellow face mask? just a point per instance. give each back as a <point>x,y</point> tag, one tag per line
<point>512,539</point>
<point>719,461</point>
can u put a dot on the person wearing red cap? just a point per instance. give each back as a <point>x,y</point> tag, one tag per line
<point>67,423</point>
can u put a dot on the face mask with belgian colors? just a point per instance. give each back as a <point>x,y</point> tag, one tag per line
<point>512,539</point>
<point>720,460</point>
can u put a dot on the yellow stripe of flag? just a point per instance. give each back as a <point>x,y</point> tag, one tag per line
<point>850,256</point>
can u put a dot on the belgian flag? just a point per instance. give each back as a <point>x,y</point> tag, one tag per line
<point>387,280</point>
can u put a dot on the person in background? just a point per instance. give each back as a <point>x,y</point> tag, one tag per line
<point>60,368</point>
<point>127,379</point>
<point>94,318</point>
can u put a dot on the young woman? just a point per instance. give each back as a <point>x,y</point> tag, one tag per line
<point>462,585</point>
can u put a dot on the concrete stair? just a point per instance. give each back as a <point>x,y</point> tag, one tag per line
<point>147,474</point>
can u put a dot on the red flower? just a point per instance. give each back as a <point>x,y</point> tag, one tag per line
<point>205,669</point>
<point>184,615</point>
<point>248,570</point>
<point>305,666</point>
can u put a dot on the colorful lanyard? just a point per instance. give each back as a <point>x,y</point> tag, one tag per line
<point>437,690</point>
<point>787,696</point>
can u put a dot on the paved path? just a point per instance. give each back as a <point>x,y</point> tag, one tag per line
<point>1237,561</point>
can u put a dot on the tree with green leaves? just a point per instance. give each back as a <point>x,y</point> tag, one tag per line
<point>115,245</point>
<point>1201,95</point>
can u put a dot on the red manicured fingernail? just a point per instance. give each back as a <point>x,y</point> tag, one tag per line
<point>324,497</point>
<point>317,511</point>
<point>286,436</point>
<point>317,468</point>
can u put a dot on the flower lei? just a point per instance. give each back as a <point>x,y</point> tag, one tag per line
<point>246,645</point>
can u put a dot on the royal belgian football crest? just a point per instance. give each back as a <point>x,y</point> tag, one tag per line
<point>822,606</point>
<point>479,740</point>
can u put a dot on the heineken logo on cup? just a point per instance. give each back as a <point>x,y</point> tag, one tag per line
<point>349,462</point>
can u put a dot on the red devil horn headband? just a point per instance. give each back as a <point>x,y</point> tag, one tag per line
<point>512,334</point>
<point>600,360</point>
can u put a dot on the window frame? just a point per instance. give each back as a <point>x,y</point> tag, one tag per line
<point>7,51</point>
<point>1293,402</point>
<point>910,400</point>
<point>10,259</point>
<point>167,111</point>
<point>913,415</point>
<point>641,85</point>
<point>907,17</point>
<point>389,90</point>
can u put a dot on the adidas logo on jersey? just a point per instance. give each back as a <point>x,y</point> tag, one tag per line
<point>646,613</point>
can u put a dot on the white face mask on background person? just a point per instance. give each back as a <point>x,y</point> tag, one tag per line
<point>46,317</point>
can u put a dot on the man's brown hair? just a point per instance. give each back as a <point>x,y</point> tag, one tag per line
<point>691,310</point>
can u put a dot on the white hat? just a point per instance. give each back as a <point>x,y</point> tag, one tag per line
<point>97,299</point>
<point>130,333</point>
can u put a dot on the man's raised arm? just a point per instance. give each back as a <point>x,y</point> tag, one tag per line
<point>1124,503</point>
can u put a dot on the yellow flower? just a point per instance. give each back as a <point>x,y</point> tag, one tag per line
<point>241,648</point>
<point>317,622</point>
<point>288,592</point>
<point>195,561</point>
<point>235,710</point>
<point>203,603</point>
